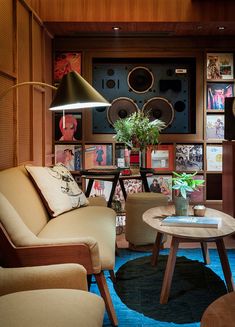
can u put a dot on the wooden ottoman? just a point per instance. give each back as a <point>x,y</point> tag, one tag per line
<point>137,231</point>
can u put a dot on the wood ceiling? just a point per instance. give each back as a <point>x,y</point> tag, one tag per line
<point>137,17</point>
<point>141,28</point>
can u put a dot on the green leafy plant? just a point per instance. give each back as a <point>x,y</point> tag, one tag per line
<point>137,131</point>
<point>184,183</point>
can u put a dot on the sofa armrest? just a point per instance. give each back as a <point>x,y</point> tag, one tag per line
<point>69,276</point>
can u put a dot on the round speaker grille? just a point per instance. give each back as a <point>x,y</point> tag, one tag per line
<point>159,108</point>
<point>120,108</point>
<point>140,79</point>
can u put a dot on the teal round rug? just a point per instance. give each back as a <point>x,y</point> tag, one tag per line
<point>194,287</point>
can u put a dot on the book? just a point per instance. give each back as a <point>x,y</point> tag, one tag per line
<point>191,221</point>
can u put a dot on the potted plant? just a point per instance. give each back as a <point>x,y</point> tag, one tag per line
<point>137,131</point>
<point>184,184</point>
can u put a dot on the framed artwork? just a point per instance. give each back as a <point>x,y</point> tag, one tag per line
<point>216,94</point>
<point>214,157</point>
<point>98,155</point>
<point>100,188</point>
<point>219,66</point>
<point>197,196</point>
<point>215,127</point>
<point>70,155</point>
<point>122,156</point>
<point>65,62</point>
<point>189,157</point>
<point>161,184</point>
<point>68,127</point>
<point>162,158</point>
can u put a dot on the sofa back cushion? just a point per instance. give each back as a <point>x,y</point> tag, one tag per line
<point>58,189</point>
<point>17,187</point>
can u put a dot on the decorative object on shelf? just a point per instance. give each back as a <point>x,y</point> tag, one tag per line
<point>138,132</point>
<point>189,157</point>
<point>183,184</point>
<point>219,66</point>
<point>216,94</point>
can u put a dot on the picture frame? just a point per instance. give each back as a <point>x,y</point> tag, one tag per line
<point>161,158</point>
<point>189,157</point>
<point>216,94</point>
<point>100,188</point>
<point>66,62</point>
<point>70,155</point>
<point>98,155</point>
<point>214,155</point>
<point>68,126</point>
<point>214,127</point>
<point>219,66</point>
<point>161,184</point>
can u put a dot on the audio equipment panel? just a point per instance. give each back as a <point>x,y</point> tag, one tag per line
<point>163,87</point>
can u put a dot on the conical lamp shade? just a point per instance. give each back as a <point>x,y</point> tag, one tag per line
<point>75,92</point>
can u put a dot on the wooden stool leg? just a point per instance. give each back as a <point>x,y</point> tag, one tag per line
<point>225,264</point>
<point>166,285</point>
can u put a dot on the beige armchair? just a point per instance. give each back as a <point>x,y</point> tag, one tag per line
<point>54,295</point>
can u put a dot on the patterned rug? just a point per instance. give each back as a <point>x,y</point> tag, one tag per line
<point>194,287</point>
<point>133,310</point>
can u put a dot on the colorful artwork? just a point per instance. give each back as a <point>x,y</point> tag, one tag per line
<point>197,196</point>
<point>219,66</point>
<point>68,127</point>
<point>214,127</point>
<point>131,186</point>
<point>189,157</point>
<point>216,94</point>
<point>161,184</point>
<point>161,158</point>
<point>98,155</point>
<point>66,62</point>
<point>122,156</point>
<point>100,188</point>
<point>214,157</point>
<point>70,155</point>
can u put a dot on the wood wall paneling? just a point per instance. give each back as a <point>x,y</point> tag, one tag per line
<point>25,140</point>
<point>7,131</point>
<point>7,37</point>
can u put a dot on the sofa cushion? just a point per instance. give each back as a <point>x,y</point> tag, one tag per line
<point>52,307</point>
<point>58,188</point>
<point>96,222</point>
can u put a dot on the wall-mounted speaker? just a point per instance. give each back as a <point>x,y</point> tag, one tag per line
<point>229,119</point>
<point>163,86</point>
<point>140,79</point>
<point>120,108</point>
<point>159,108</point>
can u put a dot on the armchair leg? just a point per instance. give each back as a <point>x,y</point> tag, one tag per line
<point>104,291</point>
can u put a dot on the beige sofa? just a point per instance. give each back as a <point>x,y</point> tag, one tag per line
<point>54,295</point>
<point>29,237</point>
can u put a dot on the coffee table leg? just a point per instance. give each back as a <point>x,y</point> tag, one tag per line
<point>166,285</point>
<point>205,253</point>
<point>225,264</point>
<point>156,248</point>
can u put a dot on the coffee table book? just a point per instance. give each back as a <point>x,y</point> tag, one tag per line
<point>191,221</point>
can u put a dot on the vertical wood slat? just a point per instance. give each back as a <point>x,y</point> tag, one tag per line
<point>23,51</point>
<point>6,36</point>
<point>7,148</point>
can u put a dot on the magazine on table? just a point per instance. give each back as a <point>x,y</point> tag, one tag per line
<point>191,221</point>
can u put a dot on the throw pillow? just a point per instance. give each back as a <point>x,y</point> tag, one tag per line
<point>58,188</point>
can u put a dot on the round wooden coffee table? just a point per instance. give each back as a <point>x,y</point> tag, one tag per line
<point>154,216</point>
<point>220,313</point>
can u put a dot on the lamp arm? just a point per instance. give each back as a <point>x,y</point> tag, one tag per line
<point>26,83</point>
